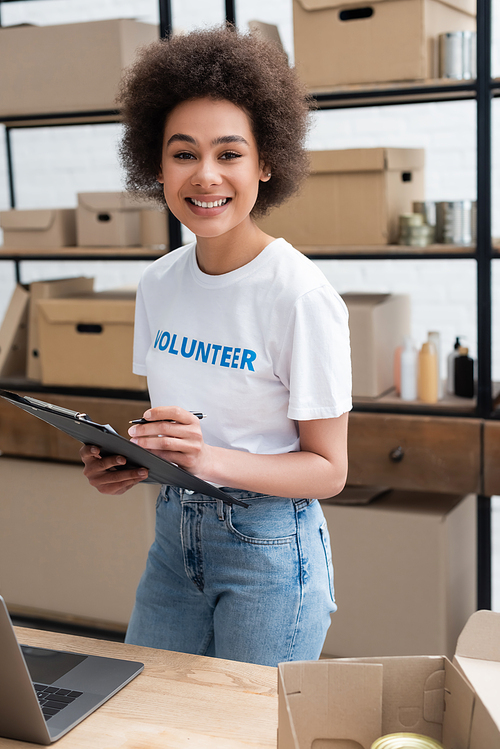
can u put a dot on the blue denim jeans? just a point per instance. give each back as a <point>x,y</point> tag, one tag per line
<point>247,584</point>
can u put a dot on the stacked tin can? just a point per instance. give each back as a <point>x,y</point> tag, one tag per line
<point>457,55</point>
<point>451,221</point>
<point>414,231</point>
<point>456,222</point>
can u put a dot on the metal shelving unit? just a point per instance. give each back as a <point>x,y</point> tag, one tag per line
<point>483,89</point>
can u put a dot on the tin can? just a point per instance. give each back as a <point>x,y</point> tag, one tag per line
<point>456,222</point>
<point>413,231</point>
<point>406,741</point>
<point>457,55</point>
<point>470,55</point>
<point>427,208</point>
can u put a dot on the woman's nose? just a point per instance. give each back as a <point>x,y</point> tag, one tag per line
<point>206,173</point>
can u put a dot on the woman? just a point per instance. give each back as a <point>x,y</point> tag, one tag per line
<point>241,326</point>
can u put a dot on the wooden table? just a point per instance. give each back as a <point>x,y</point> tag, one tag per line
<point>177,701</point>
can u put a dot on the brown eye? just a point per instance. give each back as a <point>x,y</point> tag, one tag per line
<point>228,155</point>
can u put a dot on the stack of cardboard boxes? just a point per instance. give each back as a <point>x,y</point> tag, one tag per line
<point>101,219</point>
<point>60,333</point>
<point>63,333</point>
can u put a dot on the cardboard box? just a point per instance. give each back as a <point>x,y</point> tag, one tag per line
<point>108,219</point>
<point>23,436</point>
<point>67,552</point>
<point>405,573</point>
<point>352,702</point>
<point>352,197</point>
<point>14,334</point>
<point>69,67</point>
<point>154,228</point>
<point>40,228</point>
<point>88,341</point>
<point>378,324</point>
<point>63,287</point>
<point>381,41</point>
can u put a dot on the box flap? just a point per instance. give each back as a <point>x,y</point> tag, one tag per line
<point>478,658</point>
<point>99,310</point>
<point>352,299</point>
<point>61,287</point>
<point>404,159</point>
<point>323,700</point>
<point>13,333</point>
<point>347,160</point>
<point>413,690</point>
<point>367,160</point>
<point>324,4</point>
<point>109,201</point>
<point>268,30</point>
<point>480,638</point>
<point>29,220</point>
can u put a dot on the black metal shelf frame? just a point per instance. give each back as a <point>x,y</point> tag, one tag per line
<point>483,89</point>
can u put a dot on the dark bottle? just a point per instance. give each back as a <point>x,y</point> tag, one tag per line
<point>464,374</point>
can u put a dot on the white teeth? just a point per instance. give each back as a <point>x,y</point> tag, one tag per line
<point>211,204</point>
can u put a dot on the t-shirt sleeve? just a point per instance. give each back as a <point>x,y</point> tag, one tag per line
<point>142,334</point>
<point>315,361</point>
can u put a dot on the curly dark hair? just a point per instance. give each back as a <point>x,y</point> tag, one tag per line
<point>220,63</point>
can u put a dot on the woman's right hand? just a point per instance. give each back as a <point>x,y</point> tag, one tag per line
<point>102,474</point>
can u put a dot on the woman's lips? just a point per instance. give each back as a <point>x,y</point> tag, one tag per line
<point>208,205</point>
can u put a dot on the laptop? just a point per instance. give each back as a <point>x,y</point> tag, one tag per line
<point>45,693</point>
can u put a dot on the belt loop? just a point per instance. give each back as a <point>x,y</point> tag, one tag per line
<point>181,493</point>
<point>220,509</point>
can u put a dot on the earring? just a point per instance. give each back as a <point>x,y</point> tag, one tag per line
<point>269,174</point>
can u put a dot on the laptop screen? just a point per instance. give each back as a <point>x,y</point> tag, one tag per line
<point>46,666</point>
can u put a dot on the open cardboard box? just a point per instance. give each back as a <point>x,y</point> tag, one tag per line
<point>349,703</point>
<point>44,228</point>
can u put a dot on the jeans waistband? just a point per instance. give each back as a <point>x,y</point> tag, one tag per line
<point>187,495</point>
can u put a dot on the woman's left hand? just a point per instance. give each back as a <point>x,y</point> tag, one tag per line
<point>175,435</point>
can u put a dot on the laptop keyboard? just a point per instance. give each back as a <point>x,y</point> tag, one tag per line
<point>52,699</point>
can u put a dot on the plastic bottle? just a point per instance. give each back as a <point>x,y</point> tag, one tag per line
<point>408,371</point>
<point>427,387</point>
<point>464,373</point>
<point>434,337</point>
<point>450,385</point>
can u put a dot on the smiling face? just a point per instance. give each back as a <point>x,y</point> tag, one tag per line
<point>210,168</point>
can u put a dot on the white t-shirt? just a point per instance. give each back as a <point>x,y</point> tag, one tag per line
<point>255,349</point>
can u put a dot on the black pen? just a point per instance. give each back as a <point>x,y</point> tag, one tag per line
<point>156,421</point>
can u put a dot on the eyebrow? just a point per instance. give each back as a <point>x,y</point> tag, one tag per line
<point>222,140</point>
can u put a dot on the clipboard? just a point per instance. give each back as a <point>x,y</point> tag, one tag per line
<point>82,428</point>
